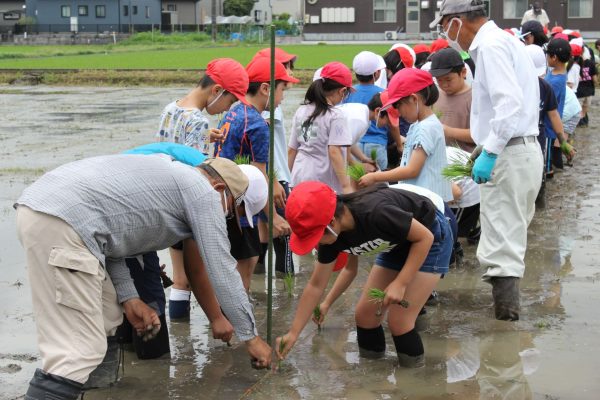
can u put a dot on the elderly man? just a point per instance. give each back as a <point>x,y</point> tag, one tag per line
<point>77,224</point>
<point>536,13</point>
<point>504,121</point>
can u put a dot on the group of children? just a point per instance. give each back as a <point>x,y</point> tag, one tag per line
<point>405,119</point>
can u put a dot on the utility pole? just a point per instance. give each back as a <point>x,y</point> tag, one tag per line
<point>213,19</point>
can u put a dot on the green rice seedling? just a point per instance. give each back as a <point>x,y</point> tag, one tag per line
<point>356,171</point>
<point>241,160</point>
<point>374,155</point>
<point>377,296</point>
<point>317,315</point>
<point>281,348</point>
<point>460,166</point>
<point>288,282</point>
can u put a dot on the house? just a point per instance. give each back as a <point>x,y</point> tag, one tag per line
<point>409,19</point>
<point>93,15</point>
<point>293,7</point>
<point>10,13</point>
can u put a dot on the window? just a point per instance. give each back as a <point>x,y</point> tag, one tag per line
<point>514,9</point>
<point>82,11</point>
<point>581,8</point>
<point>125,11</point>
<point>486,3</point>
<point>147,12</point>
<point>100,11</point>
<point>384,10</point>
<point>65,11</point>
<point>134,10</point>
<point>171,7</point>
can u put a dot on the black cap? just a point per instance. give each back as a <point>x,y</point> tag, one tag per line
<point>532,27</point>
<point>558,47</point>
<point>443,61</point>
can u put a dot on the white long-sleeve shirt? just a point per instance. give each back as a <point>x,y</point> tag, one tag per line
<point>506,92</point>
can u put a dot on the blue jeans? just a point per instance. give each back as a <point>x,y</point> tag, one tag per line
<point>438,258</point>
<point>382,160</point>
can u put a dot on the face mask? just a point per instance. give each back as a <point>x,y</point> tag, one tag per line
<point>216,99</point>
<point>454,42</point>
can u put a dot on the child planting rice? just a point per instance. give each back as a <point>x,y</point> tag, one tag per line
<point>418,243</point>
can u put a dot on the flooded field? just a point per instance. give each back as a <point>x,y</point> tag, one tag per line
<point>551,353</point>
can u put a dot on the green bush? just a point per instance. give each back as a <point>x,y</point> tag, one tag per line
<point>171,38</point>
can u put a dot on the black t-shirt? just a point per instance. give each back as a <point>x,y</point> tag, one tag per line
<point>383,217</point>
<point>547,102</point>
<point>586,81</point>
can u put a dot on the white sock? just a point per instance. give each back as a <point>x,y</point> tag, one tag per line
<point>179,295</point>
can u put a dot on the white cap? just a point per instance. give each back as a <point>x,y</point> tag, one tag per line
<point>538,57</point>
<point>357,119</point>
<point>407,47</point>
<point>577,41</point>
<point>317,74</point>
<point>367,63</point>
<point>255,198</point>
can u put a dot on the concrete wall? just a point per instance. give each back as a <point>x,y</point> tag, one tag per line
<point>188,12</point>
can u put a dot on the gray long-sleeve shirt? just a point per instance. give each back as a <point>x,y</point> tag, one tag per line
<point>125,205</point>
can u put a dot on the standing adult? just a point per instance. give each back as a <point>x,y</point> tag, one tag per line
<point>504,119</point>
<point>536,13</point>
<point>80,221</point>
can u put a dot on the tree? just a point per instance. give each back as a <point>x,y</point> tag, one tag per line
<point>239,8</point>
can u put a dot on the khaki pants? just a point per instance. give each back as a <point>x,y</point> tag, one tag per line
<point>74,302</point>
<point>507,207</point>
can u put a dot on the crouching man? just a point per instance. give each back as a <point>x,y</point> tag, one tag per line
<point>77,224</point>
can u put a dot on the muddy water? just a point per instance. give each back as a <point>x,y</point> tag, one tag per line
<point>552,353</point>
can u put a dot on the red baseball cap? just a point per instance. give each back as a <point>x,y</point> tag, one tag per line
<point>576,50</point>
<point>556,29</point>
<point>407,59</point>
<point>231,75</point>
<point>439,44</point>
<point>576,34</point>
<point>280,55</point>
<point>561,36</point>
<point>309,209</point>
<point>259,70</point>
<point>338,72</point>
<point>393,114</point>
<point>421,48</point>
<point>406,82</point>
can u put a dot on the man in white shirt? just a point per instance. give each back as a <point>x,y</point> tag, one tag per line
<point>536,13</point>
<point>504,121</point>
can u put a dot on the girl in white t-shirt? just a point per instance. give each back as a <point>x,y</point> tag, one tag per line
<point>320,137</point>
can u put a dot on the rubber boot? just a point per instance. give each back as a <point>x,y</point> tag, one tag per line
<point>44,386</point>
<point>107,373</point>
<point>156,347</point>
<point>409,348</point>
<point>505,291</point>
<point>179,310</point>
<point>371,342</point>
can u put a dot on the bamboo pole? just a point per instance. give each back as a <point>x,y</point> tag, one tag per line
<point>271,181</point>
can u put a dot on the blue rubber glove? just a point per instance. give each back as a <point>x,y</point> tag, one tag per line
<point>482,169</point>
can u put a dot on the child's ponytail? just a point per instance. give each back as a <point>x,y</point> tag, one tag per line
<point>317,95</point>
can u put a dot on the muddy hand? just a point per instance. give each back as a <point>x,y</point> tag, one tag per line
<point>260,353</point>
<point>284,344</point>
<point>215,135</point>
<point>143,318</point>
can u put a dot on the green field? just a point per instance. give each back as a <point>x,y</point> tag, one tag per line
<point>156,56</point>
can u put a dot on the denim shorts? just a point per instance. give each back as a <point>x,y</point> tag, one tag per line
<point>438,259</point>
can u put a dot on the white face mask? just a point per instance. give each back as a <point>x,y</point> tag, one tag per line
<point>454,42</point>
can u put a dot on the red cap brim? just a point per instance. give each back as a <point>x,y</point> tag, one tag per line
<point>241,98</point>
<point>303,245</point>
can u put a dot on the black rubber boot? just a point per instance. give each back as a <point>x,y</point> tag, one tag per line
<point>409,348</point>
<point>107,373</point>
<point>156,347</point>
<point>505,291</point>
<point>44,386</point>
<point>371,342</point>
